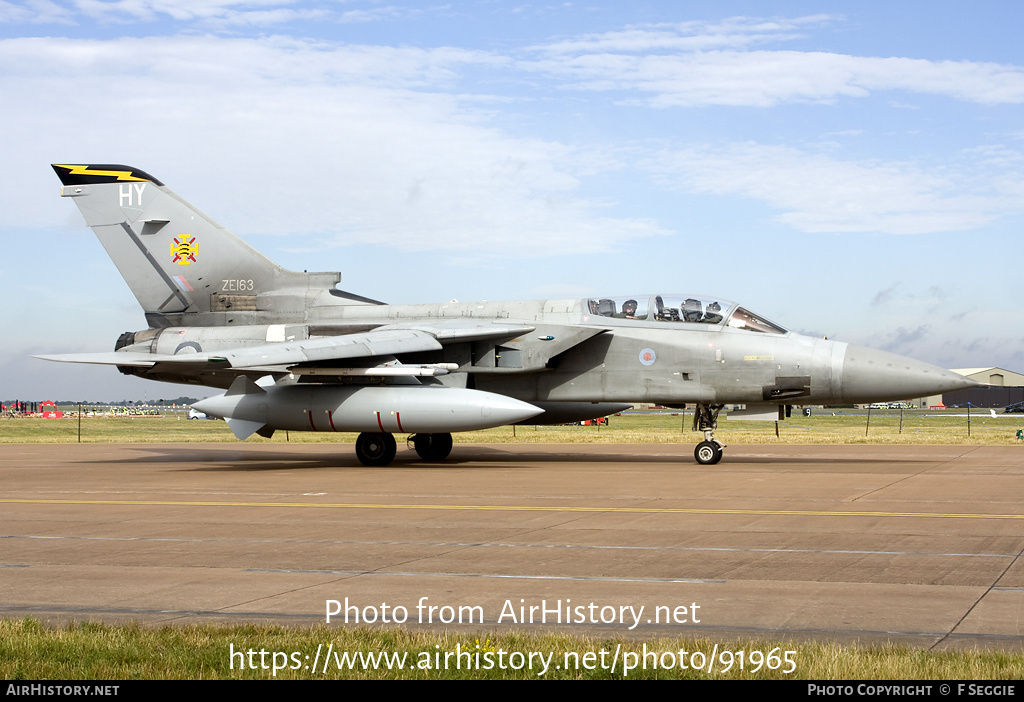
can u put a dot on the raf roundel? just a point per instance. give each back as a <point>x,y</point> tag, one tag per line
<point>648,357</point>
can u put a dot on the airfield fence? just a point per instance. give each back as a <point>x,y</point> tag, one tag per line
<point>824,426</point>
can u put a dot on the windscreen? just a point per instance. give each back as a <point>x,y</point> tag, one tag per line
<point>743,319</point>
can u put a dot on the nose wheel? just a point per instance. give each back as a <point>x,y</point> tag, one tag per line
<point>708,453</point>
<point>705,419</point>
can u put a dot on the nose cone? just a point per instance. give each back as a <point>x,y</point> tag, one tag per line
<point>498,410</point>
<point>870,376</point>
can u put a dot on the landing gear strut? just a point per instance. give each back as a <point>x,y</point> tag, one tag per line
<point>705,419</point>
<point>432,447</point>
<point>375,449</point>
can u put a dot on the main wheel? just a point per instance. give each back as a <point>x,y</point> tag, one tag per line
<point>432,447</point>
<point>375,449</point>
<point>707,453</point>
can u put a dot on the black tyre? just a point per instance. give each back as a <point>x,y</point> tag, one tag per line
<point>432,447</point>
<point>707,453</point>
<point>375,449</point>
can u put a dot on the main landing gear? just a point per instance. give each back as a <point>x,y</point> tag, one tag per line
<point>432,447</point>
<point>379,449</point>
<point>705,419</point>
<point>375,449</point>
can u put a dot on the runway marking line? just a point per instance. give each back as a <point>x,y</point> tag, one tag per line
<point>518,508</point>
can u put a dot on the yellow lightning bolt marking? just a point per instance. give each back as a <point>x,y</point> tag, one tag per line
<point>84,170</point>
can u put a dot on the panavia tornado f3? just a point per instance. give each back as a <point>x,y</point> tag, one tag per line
<point>296,353</point>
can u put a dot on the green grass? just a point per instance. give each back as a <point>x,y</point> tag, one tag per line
<point>919,427</point>
<point>29,650</point>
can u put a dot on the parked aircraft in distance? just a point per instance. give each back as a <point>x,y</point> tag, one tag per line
<point>296,353</point>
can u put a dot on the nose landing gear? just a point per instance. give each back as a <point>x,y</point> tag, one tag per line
<point>705,419</point>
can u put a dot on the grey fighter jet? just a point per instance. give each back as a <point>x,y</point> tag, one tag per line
<point>296,353</point>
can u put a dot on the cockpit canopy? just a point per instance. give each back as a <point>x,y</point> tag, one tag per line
<point>681,308</point>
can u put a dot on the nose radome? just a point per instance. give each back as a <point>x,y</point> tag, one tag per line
<point>870,376</point>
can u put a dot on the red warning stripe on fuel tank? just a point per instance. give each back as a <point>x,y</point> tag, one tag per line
<point>311,425</point>
<point>398,417</point>
<point>330,419</point>
<point>378,421</point>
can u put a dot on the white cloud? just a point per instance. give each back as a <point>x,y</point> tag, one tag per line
<point>817,193</point>
<point>35,12</point>
<point>355,143</point>
<point>693,64</point>
<point>253,12</point>
<point>765,78</point>
<point>735,32</point>
<point>207,14</point>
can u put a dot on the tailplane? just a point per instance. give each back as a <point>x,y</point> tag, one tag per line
<point>183,267</point>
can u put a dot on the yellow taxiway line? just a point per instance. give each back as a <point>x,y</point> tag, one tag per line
<point>517,508</point>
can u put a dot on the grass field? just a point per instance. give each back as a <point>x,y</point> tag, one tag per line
<point>29,650</point>
<point>823,427</point>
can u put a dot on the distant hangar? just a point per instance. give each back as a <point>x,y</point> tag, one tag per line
<point>1002,387</point>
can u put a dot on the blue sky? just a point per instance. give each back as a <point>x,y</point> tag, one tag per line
<point>857,174</point>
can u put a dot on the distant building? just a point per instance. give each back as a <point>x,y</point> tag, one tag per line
<point>993,376</point>
<point>1001,388</point>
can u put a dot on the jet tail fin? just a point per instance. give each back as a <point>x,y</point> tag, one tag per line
<point>181,265</point>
